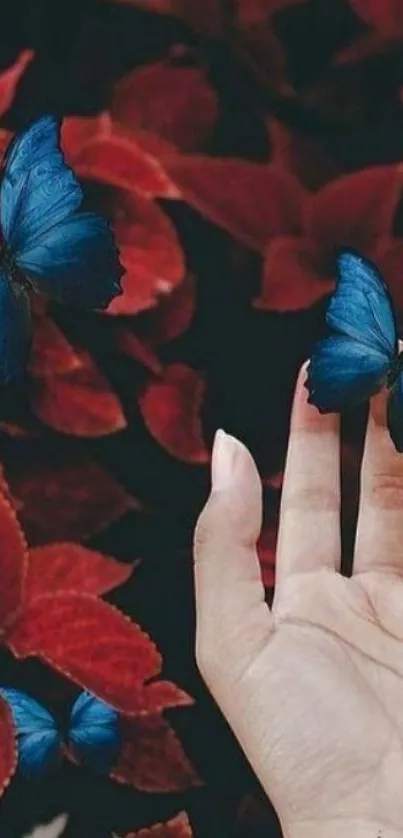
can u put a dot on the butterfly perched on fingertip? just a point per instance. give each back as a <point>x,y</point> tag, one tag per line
<point>360,354</point>
<point>93,733</point>
<point>48,243</point>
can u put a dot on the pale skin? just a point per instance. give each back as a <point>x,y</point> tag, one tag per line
<point>313,688</point>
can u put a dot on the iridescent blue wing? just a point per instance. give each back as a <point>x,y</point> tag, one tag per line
<point>38,740</point>
<point>341,374</point>
<point>361,307</point>
<point>15,330</point>
<point>95,732</point>
<point>66,254</point>
<point>76,262</point>
<point>38,190</point>
<point>395,413</point>
<point>352,364</point>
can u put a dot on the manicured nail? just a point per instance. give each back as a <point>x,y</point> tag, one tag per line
<point>223,463</point>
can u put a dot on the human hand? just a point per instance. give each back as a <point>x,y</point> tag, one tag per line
<point>313,688</point>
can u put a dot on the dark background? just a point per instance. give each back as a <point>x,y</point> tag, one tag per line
<point>250,358</point>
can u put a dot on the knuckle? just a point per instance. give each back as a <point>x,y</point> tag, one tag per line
<point>302,496</point>
<point>215,523</point>
<point>384,489</point>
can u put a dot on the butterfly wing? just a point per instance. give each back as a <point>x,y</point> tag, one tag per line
<point>37,736</point>
<point>361,307</point>
<point>95,732</point>
<point>67,254</point>
<point>341,374</point>
<point>15,330</point>
<point>395,413</point>
<point>38,190</point>
<point>76,262</point>
<point>352,364</point>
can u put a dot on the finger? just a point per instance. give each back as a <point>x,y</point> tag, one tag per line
<point>309,529</point>
<point>379,538</point>
<point>232,618</point>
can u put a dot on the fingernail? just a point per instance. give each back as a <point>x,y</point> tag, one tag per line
<point>223,462</point>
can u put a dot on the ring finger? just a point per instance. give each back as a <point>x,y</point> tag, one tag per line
<point>379,539</point>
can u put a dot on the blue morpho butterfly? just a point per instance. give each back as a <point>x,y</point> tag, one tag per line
<point>93,732</point>
<point>47,244</point>
<point>361,353</point>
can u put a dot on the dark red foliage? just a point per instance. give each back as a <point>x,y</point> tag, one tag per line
<point>152,758</point>
<point>102,151</point>
<point>356,210</point>
<point>170,407</point>
<point>131,345</point>
<point>90,642</point>
<point>8,750</point>
<point>159,696</point>
<point>253,202</point>
<point>178,827</point>
<point>150,252</point>
<point>66,495</point>
<point>79,403</point>
<point>70,567</point>
<point>9,79</point>
<point>279,123</point>
<point>385,15</point>
<point>51,352</point>
<point>175,102</point>
<point>13,564</point>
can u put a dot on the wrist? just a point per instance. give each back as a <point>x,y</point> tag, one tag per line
<point>349,828</point>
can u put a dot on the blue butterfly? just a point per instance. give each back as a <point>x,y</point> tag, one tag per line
<point>47,244</point>
<point>361,353</point>
<point>93,732</point>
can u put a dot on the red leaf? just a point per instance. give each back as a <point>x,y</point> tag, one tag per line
<point>292,277</point>
<point>388,257</point>
<point>204,16</point>
<point>305,156</point>
<point>262,49</point>
<point>386,15</point>
<point>130,344</point>
<point>8,748</point>
<point>78,131</point>
<point>120,158</point>
<point>16,430</point>
<point>51,352</point>
<point>174,101</point>
<point>80,403</point>
<point>355,210</point>
<point>90,642</point>
<point>149,251</point>
<point>173,315</point>
<point>159,696</point>
<point>252,201</point>
<point>65,495</point>
<point>71,567</point>
<point>171,411</point>
<point>13,563</point>
<point>152,758</point>
<point>5,139</point>
<point>9,79</point>
<point>178,827</point>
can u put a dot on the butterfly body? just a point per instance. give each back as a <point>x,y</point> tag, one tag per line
<point>395,370</point>
<point>360,354</point>
<point>48,244</point>
<point>92,731</point>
